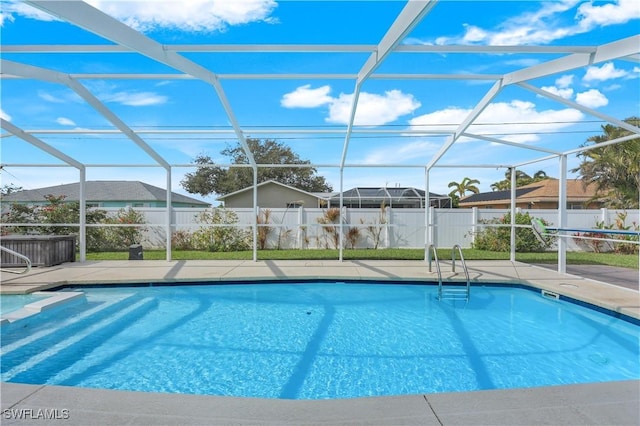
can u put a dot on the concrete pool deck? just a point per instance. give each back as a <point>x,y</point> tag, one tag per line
<point>604,403</point>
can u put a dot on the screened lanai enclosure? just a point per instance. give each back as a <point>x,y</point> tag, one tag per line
<point>393,89</point>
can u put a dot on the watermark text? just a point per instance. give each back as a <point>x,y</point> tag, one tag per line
<point>35,414</point>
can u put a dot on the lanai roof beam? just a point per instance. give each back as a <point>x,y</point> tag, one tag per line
<point>44,74</point>
<point>98,22</point>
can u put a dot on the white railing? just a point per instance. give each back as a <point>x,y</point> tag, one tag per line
<point>20,256</point>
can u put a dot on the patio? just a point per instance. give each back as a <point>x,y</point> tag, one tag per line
<point>595,404</point>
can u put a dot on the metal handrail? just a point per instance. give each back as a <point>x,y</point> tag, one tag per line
<point>20,256</point>
<point>435,255</point>
<point>464,266</point>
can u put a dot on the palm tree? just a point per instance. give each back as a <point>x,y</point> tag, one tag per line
<point>540,175</point>
<point>614,169</point>
<point>460,189</point>
<point>521,179</point>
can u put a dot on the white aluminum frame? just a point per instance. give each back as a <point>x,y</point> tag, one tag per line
<point>126,39</point>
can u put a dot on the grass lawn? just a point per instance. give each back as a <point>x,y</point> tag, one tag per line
<point>574,258</point>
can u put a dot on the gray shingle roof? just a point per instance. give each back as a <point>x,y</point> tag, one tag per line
<point>108,190</point>
<point>495,195</point>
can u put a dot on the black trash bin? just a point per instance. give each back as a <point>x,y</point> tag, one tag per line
<point>135,252</point>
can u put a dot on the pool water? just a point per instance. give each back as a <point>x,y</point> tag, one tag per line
<point>11,302</point>
<point>320,340</point>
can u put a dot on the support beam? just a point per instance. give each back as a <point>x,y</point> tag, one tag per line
<point>15,130</point>
<point>51,76</point>
<point>98,22</point>
<point>512,239</point>
<point>296,48</point>
<point>82,201</point>
<point>562,215</point>
<point>409,17</point>
<point>169,214</point>
<point>575,105</point>
<point>615,50</point>
<point>516,144</point>
<point>480,106</point>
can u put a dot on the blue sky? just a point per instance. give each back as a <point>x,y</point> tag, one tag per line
<point>515,114</point>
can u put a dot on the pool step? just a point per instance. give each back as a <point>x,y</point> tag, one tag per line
<point>456,293</point>
<point>60,355</point>
<point>21,337</point>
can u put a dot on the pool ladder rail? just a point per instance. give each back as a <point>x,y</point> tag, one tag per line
<point>20,256</point>
<point>451,292</point>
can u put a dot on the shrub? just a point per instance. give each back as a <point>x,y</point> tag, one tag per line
<point>330,233</point>
<point>56,212</point>
<point>219,237</point>
<point>263,220</point>
<point>182,240</point>
<point>595,241</point>
<point>499,238</point>
<point>124,236</point>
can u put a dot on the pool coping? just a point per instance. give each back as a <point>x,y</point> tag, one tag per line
<point>611,403</point>
<point>611,297</point>
<point>598,403</point>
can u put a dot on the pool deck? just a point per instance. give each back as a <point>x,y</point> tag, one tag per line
<point>613,403</point>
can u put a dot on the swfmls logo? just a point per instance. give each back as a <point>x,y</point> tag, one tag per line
<point>35,414</point>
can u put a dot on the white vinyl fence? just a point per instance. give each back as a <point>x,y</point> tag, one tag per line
<point>393,228</point>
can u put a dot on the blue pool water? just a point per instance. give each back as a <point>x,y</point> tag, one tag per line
<point>11,302</point>
<point>320,340</point>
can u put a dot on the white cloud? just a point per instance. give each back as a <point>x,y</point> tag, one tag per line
<point>306,97</point>
<point>192,15</point>
<point>544,25</point>
<point>64,121</point>
<point>4,115</point>
<point>136,98</point>
<point>46,96</point>
<point>591,16</point>
<point>373,109</point>
<point>401,153</point>
<point>592,98</point>
<point>9,8</point>
<point>495,119</point>
<point>564,81</point>
<point>566,93</point>
<point>607,71</point>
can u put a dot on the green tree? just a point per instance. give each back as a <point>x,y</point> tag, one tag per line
<point>215,179</point>
<point>522,179</point>
<point>9,189</point>
<point>614,169</point>
<point>461,188</point>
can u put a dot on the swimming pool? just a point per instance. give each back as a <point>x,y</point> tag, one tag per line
<point>13,302</point>
<point>320,340</point>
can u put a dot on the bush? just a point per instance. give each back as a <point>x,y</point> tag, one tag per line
<point>120,238</point>
<point>499,238</point>
<point>217,237</point>
<point>56,212</point>
<point>182,240</point>
<point>595,241</point>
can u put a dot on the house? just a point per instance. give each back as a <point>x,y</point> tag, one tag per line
<point>394,197</point>
<point>108,193</point>
<point>273,194</point>
<point>537,195</point>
